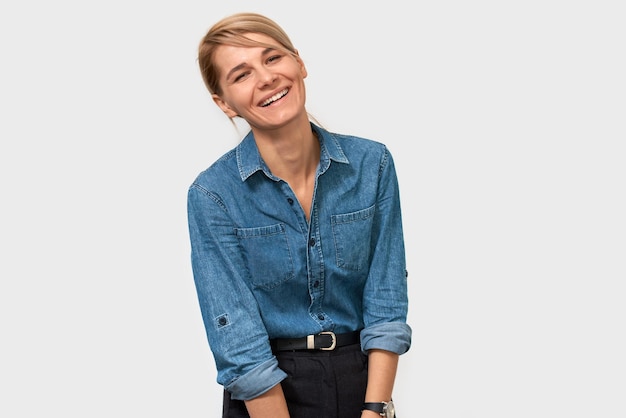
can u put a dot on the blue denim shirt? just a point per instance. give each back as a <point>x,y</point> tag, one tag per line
<point>263,271</point>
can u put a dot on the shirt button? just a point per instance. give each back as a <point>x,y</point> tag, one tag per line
<point>320,317</point>
<point>312,242</point>
<point>316,284</point>
<point>290,201</point>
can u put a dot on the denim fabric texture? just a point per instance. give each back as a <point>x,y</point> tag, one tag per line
<point>263,271</point>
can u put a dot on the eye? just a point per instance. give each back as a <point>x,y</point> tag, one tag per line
<point>240,76</point>
<point>274,58</point>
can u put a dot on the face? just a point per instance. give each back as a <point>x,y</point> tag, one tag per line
<point>265,86</point>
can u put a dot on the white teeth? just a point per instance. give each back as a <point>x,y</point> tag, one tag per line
<point>275,97</point>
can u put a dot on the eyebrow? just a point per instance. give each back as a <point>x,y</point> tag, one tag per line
<point>243,64</point>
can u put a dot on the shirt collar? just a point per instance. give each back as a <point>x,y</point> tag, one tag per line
<point>249,159</point>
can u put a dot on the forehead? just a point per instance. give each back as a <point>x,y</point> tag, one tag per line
<point>229,56</point>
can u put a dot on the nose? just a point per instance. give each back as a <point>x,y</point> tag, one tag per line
<point>266,77</point>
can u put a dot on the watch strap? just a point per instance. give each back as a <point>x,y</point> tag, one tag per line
<point>375,406</point>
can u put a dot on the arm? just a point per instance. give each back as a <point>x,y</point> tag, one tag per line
<point>271,404</point>
<point>233,323</point>
<point>385,295</point>
<point>382,367</point>
<point>386,335</point>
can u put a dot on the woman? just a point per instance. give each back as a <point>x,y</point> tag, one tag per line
<point>297,246</point>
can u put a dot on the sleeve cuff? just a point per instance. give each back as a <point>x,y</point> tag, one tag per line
<point>257,381</point>
<point>391,336</point>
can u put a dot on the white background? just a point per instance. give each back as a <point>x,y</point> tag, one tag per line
<point>507,123</point>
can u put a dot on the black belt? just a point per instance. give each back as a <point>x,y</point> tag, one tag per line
<point>326,340</point>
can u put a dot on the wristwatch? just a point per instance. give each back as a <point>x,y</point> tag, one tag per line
<point>385,409</point>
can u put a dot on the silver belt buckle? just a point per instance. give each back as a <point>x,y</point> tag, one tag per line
<point>334,340</point>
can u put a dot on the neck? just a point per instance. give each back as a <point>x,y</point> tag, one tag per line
<point>291,152</point>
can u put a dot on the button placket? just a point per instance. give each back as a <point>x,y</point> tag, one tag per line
<point>316,284</point>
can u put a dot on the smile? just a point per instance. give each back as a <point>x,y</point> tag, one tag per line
<point>274,98</point>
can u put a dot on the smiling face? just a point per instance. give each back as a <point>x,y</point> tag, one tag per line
<point>263,85</point>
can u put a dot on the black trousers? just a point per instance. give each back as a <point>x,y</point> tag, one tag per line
<point>329,384</point>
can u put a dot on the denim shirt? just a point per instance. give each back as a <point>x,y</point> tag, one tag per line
<point>263,271</point>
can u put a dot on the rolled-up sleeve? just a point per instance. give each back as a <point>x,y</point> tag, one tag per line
<point>385,297</point>
<point>236,334</point>
<point>256,381</point>
<point>392,336</point>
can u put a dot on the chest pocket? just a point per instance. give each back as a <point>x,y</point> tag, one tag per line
<point>267,253</point>
<point>352,233</point>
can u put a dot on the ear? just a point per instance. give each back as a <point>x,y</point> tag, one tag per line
<point>229,111</point>
<point>302,66</point>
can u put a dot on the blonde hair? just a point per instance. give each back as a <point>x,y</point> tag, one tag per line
<point>231,30</point>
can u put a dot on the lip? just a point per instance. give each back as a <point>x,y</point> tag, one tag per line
<point>284,91</point>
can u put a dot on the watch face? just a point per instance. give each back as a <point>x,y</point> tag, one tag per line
<point>390,410</point>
